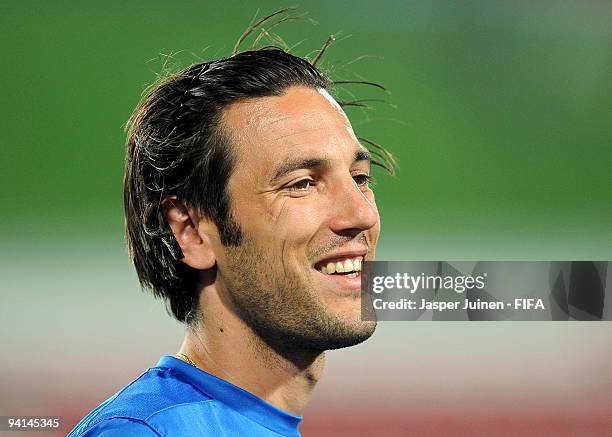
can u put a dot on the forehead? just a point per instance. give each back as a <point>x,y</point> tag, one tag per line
<point>302,122</point>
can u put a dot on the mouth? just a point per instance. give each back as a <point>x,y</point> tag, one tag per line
<point>344,265</point>
<point>342,271</point>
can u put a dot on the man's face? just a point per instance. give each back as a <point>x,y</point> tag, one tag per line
<point>300,194</point>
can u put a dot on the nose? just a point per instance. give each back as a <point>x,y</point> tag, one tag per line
<point>353,210</point>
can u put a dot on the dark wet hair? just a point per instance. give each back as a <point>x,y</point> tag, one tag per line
<point>177,147</point>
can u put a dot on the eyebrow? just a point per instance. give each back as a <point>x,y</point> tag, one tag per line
<point>362,154</point>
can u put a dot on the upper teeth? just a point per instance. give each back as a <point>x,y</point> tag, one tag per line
<point>348,265</point>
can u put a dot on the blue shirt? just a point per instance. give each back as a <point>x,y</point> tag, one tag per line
<point>176,399</point>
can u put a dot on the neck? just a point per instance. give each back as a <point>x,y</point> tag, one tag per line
<point>221,344</point>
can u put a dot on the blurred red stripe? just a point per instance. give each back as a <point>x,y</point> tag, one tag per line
<point>445,423</point>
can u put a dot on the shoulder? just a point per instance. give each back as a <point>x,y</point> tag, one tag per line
<point>156,393</point>
<point>116,427</point>
<point>201,419</point>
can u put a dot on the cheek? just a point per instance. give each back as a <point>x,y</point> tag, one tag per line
<point>277,210</point>
<point>295,221</point>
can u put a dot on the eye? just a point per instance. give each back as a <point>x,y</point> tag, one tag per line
<point>301,185</point>
<point>363,180</point>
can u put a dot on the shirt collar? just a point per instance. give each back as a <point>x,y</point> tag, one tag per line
<point>247,404</point>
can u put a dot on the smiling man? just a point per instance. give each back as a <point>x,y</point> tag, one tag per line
<point>248,208</point>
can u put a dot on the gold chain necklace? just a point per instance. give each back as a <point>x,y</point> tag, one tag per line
<point>185,358</point>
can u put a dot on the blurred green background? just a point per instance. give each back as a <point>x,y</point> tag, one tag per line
<point>503,130</point>
<point>503,121</point>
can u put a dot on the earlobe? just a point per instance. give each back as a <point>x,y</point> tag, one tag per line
<point>193,239</point>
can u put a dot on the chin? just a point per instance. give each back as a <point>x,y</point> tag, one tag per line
<point>352,334</point>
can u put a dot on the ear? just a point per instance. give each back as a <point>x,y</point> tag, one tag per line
<point>194,239</point>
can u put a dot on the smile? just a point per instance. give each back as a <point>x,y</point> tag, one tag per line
<point>350,267</point>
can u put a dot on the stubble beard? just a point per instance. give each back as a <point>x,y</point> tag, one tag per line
<point>282,307</point>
